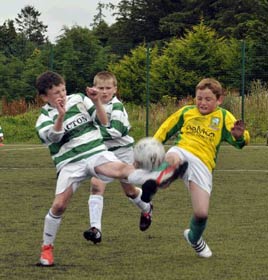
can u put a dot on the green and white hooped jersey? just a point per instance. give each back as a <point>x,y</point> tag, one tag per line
<point>115,133</point>
<point>1,132</point>
<point>80,138</point>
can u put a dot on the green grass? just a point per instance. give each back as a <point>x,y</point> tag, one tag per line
<point>236,232</point>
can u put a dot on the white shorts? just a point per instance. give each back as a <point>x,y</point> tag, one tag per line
<point>125,154</point>
<point>196,172</point>
<point>74,173</point>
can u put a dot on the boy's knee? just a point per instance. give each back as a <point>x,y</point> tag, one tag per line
<point>131,194</point>
<point>97,186</point>
<point>58,208</point>
<point>172,158</point>
<point>96,190</point>
<point>130,190</point>
<point>201,218</point>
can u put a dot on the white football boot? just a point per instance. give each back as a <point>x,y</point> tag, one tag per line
<point>201,247</point>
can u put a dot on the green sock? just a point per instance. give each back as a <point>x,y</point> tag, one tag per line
<point>162,166</point>
<point>197,227</point>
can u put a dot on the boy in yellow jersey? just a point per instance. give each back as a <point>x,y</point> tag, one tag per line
<point>201,128</point>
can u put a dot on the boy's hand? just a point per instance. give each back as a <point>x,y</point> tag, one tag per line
<point>60,105</point>
<point>93,94</point>
<point>238,129</point>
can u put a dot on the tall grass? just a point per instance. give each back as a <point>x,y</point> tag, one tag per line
<point>20,128</point>
<point>19,106</point>
<point>255,110</point>
<point>257,115</point>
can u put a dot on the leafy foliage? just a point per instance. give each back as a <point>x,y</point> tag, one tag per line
<point>7,37</point>
<point>30,26</point>
<point>131,72</point>
<point>178,67</point>
<point>79,56</point>
<point>180,54</point>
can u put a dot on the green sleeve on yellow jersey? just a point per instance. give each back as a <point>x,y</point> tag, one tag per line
<point>226,134</point>
<point>171,125</point>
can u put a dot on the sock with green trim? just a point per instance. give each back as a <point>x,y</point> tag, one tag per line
<point>162,166</point>
<point>197,227</point>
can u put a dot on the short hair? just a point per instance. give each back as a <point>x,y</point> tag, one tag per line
<point>212,84</point>
<point>104,75</point>
<point>47,80</point>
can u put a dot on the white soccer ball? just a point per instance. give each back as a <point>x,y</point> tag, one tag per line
<point>149,153</point>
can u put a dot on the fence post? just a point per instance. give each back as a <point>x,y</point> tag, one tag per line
<point>243,80</point>
<point>147,87</point>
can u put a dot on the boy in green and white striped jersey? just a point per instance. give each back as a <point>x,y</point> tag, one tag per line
<point>67,126</point>
<point>117,139</point>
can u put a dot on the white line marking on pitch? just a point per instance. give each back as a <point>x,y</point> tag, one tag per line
<point>23,149</point>
<point>217,170</point>
<point>240,170</point>
<point>23,168</point>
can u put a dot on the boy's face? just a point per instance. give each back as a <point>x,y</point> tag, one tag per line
<point>206,101</point>
<point>107,89</point>
<point>55,95</point>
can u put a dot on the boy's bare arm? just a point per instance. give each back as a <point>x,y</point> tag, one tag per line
<point>94,95</point>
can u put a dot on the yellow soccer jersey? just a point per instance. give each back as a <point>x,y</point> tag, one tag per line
<point>201,134</point>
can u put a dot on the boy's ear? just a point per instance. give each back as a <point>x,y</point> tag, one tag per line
<point>220,99</point>
<point>43,97</point>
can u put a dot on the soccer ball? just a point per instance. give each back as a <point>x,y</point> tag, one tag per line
<point>149,153</point>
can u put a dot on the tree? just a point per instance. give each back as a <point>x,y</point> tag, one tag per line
<point>79,56</point>
<point>200,53</point>
<point>99,17</point>
<point>12,86</point>
<point>8,36</point>
<point>102,32</point>
<point>236,19</point>
<point>177,68</point>
<point>30,26</point>
<point>32,68</point>
<point>138,21</point>
<point>131,73</point>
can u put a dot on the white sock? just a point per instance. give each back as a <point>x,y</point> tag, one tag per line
<point>95,204</point>
<point>143,206</point>
<point>51,227</point>
<point>140,176</point>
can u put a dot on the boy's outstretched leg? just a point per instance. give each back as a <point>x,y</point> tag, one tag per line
<point>146,218</point>
<point>145,207</point>
<point>164,179</point>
